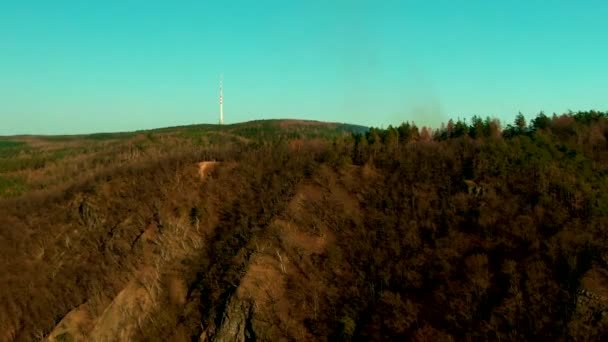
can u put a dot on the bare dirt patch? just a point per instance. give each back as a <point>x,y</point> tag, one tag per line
<point>205,167</point>
<point>120,319</point>
<point>73,326</point>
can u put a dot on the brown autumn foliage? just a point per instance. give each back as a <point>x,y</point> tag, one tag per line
<point>391,235</point>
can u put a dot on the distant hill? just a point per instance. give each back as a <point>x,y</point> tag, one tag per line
<point>276,127</point>
<point>42,155</point>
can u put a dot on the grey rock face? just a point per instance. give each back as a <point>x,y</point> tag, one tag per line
<point>236,322</point>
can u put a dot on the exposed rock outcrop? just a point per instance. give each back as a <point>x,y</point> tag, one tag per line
<point>236,322</point>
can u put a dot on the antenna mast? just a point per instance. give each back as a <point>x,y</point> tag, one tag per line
<point>221,99</point>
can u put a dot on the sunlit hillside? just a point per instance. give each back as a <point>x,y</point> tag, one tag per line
<point>295,230</point>
<point>42,162</point>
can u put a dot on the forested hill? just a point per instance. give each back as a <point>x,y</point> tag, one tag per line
<point>43,162</point>
<point>468,232</point>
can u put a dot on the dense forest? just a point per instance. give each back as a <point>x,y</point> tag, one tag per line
<point>472,231</point>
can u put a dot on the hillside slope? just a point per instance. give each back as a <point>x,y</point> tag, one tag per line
<point>388,235</point>
<point>31,163</point>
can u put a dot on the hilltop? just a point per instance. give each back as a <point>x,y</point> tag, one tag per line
<point>274,127</point>
<point>288,230</point>
<point>37,162</point>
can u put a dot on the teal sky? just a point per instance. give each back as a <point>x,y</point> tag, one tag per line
<point>90,66</point>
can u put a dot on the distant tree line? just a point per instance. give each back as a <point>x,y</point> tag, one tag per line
<point>481,128</point>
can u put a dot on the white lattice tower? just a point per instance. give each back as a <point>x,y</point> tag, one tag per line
<point>221,100</point>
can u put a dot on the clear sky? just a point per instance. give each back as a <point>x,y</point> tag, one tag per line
<point>90,66</point>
